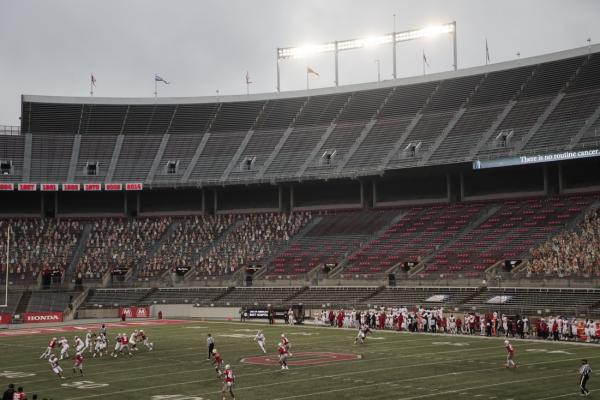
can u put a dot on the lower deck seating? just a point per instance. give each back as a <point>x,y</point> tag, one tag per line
<point>425,296</point>
<point>114,297</point>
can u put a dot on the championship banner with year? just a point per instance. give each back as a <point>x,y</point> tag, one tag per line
<point>135,312</point>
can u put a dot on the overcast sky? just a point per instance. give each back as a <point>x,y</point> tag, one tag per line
<point>50,47</point>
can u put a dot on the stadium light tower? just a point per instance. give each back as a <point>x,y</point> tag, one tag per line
<point>285,53</point>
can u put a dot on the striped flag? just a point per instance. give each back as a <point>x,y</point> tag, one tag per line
<point>93,79</point>
<point>157,78</point>
<point>248,81</point>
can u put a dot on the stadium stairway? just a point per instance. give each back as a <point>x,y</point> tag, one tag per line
<point>192,272</point>
<point>342,266</point>
<point>23,302</point>
<point>83,239</point>
<point>268,262</point>
<point>485,214</point>
<point>148,294</point>
<point>139,266</point>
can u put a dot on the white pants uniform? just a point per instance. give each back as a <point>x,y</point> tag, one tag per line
<point>57,369</point>
<point>64,351</point>
<point>261,344</point>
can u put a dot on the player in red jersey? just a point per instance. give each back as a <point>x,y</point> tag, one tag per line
<point>284,354</point>
<point>125,344</point>
<point>78,365</point>
<point>228,382</point>
<point>510,352</point>
<point>51,345</point>
<point>217,362</point>
<point>286,343</point>
<point>146,340</point>
<point>19,394</point>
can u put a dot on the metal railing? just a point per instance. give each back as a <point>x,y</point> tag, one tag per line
<point>10,130</point>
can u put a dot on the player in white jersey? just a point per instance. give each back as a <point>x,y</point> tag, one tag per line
<point>100,346</point>
<point>64,348</point>
<point>79,345</point>
<point>88,341</point>
<point>55,367</point>
<point>261,340</point>
<point>133,340</point>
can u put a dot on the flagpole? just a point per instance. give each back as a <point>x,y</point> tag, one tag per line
<point>307,77</point>
<point>91,84</point>
<point>423,62</point>
<point>155,86</point>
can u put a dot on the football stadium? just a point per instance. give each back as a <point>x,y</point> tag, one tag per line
<point>429,234</point>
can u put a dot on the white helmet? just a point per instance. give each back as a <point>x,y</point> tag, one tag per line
<point>506,342</point>
<point>279,344</point>
<point>214,351</point>
<point>227,366</point>
<point>283,335</point>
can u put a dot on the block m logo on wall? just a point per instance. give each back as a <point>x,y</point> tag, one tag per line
<point>135,312</point>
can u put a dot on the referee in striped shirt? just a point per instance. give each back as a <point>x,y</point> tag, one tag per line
<point>584,372</point>
<point>210,342</point>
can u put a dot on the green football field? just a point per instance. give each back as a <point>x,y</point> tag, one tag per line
<point>389,365</point>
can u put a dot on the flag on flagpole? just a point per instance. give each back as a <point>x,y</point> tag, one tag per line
<point>425,60</point>
<point>248,80</point>
<point>157,78</point>
<point>487,52</point>
<point>93,80</point>
<point>309,70</point>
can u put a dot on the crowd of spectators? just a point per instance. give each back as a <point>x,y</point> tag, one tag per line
<point>189,239</point>
<point>253,238</point>
<point>571,253</point>
<point>38,245</point>
<point>437,320</point>
<point>119,243</point>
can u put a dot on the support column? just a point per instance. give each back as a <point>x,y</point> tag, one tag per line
<point>292,200</point>
<point>203,196</point>
<point>462,186</point>
<point>448,187</point>
<point>362,194</point>
<point>125,203</point>
<point>215,205</point>
<point>280,197</point>
<point>55,204</point>
<point>546,180</point>
<point>138,209</point>
<point>42,206</point>
<point>560,178</point>
<point>374,193</point>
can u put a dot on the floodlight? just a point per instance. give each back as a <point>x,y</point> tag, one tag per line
<point>284,53</point>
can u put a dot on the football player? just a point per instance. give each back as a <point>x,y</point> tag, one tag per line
<point>217,362</point>
<point>260,339</point>
<point>510,352</point>
<point>51,345</point>
<point>228,382</point>
<point>78,365</point>
<point>64,347</point>
<point>53,360</point>
<point>284,354</point>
